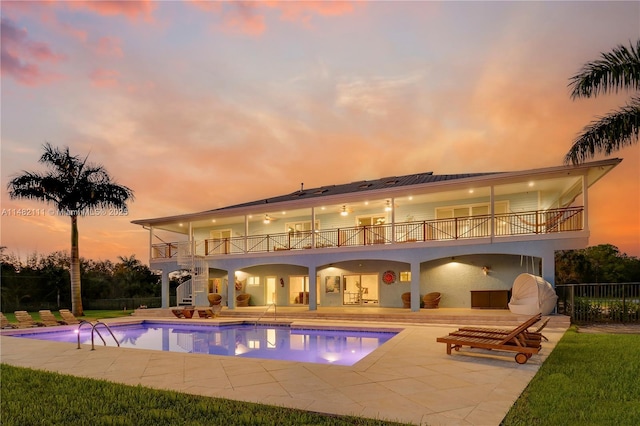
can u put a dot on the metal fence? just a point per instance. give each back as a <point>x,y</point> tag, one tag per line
<point>597,303</point>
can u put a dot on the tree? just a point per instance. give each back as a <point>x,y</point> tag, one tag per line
<point>613,72</point>
<point>75,188</point>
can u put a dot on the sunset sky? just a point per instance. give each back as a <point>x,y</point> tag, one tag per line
<point>197,105</point>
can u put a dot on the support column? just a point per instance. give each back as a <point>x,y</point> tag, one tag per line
<point>164,289</point>
<point>415,286</point>
<point>313,288</point>
<point>231,289</point>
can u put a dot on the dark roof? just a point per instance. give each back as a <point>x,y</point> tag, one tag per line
<point>359,186</point>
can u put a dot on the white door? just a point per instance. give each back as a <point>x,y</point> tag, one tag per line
<point>271,290</point>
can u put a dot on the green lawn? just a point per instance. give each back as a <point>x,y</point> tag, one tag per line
<point>30,397</point>
<point>89,315</point>
<point>589,379</point>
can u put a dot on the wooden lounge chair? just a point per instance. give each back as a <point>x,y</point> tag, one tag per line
<point>68,317</point>
<point>4,322</point>
<point>25,320</point>
<point>49,319</point>
<point>500,331</point>
<point>206,313</point>
<point>516,341</point>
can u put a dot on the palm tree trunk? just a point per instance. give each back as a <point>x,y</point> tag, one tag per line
<point>74,270</point>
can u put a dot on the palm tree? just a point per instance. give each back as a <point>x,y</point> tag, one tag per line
<point>75,188</point>
<point>615,71</point>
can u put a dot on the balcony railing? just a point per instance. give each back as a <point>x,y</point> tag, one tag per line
<point>480,226</point>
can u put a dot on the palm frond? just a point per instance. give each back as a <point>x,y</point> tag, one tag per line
<point>615,71</point>
<point>607,134</point>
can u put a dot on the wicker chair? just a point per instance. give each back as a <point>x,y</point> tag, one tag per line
<point>431,300</point>
<point>242,299</point>
<point>214,299</point>
<point>406,300</point>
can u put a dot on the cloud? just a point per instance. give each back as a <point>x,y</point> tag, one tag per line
<point>104,78</point>
<point>108,46</point>
<point>129,9</point>
<point>22,57</point>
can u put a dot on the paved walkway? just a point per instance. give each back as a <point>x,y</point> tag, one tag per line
<point>409,379</point>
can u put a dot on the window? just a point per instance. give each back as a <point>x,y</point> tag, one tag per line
<point>405,276</point>
<point>253,281</point>
<point>298,227</point>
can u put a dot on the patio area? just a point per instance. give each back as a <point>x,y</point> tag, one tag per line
<point>409,379</point>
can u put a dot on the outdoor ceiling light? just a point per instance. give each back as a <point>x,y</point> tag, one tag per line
<point>344,211</point>
<point>388,208</point>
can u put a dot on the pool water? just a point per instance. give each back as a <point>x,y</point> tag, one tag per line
<point>340,347</point>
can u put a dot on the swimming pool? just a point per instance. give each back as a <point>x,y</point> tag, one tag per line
<point>282,342</point>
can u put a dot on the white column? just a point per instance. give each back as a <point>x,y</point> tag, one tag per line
<point>231,289</point>
<point>164,289</point>
<point>415,286</point>
<point>313,288</point>
<point>585,215</point>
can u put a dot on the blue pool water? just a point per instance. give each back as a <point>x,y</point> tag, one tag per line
<point>340,347</point>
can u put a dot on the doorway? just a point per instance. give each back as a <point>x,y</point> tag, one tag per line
<point>270,288</point>
<point>360,290</point>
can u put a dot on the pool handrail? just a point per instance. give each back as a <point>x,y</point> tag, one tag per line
<point>275,312</point>
<point>94,329</point>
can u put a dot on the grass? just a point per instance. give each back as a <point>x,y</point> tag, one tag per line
<point>89,315</point>
<point>31,397</point>
<point>588,379</point>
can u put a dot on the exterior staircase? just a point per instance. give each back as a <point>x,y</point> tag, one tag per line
<point>199,270</point>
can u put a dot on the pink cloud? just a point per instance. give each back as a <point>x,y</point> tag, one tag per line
<point>109,46</point>
<point>130,9</point>
<point>244,19</point>
<point>21,56</point>
<point>104,78</point>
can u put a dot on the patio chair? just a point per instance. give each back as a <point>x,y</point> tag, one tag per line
<point>49,319</point>
<point>206,313</point>
<point>516,341</point>
<point>431,300</point>
<point>243,299</point>
<point>214,299</point>
<point>4,322</point>
<point>25,320</point>
<point>183,312</point>
<point>68,317</point>
<point>537,333</point>
<point>406,300</point>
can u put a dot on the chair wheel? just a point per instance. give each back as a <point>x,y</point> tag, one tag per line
<point>521,358</point>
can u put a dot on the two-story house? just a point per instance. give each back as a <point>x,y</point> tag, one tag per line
<point>366,243</point>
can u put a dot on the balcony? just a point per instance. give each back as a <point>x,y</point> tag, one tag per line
<point>459,228</point>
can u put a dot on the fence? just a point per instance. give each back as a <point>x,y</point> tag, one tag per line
<point>126,303</point>
<point>592,303</point>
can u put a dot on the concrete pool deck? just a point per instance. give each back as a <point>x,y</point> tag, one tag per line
<point>409,379</point>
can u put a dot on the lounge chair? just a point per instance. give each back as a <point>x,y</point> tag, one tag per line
<point>4,322</point>
<point>68,317</point>
<point>206,313</point>
<point>431,300</point>
<point>183,312</point>
<point>49,319</point>
<point>25,320</point>
<point>537,333</point>
<point>518,340</point>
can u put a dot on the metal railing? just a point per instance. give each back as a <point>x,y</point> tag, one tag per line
<point>480,226</point>
<point>589,303</point>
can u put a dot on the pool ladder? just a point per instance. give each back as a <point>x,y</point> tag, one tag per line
<point>94,330</point>
<point>275,313</point>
